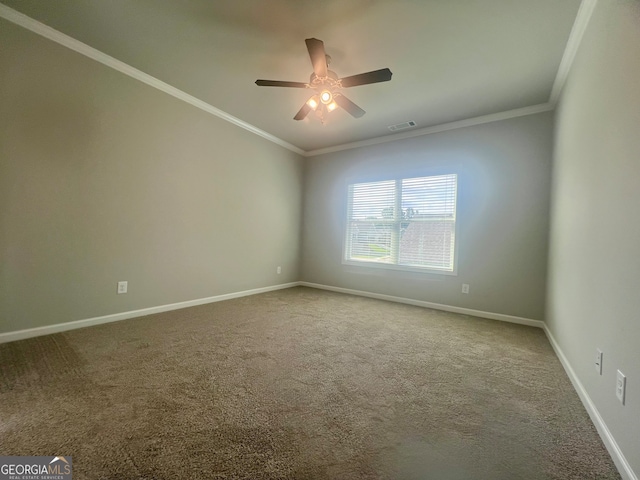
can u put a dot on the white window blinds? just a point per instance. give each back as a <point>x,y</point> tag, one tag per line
<point>408,223</point>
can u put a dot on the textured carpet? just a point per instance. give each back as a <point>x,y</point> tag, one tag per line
<point>299,384</point>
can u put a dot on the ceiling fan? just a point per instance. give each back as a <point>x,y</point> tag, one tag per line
<point>327,85</point>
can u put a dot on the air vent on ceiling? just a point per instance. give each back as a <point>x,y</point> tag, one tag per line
<point>402,126</point>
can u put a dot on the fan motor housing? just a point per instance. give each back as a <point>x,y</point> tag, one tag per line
<point>331,79</point>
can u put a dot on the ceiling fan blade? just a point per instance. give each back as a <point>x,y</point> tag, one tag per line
<point>348,105</point>
<point>318,56</point>
<point>279,83</point>
<point>383,75</point>
<point>303,112</point>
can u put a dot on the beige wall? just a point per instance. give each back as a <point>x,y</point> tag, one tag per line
<point>594,272</point>
<point>503,182</point>
<point>103,178</point>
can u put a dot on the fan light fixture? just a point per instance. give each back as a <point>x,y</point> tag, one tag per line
<point>326,97</point>
<point>327,85</point>
<point>313,102</point>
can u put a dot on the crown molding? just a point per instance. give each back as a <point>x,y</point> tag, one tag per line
<point>54,35</point>
<point>469,122</point>
<point>582,19</point>
<point>575,39</point>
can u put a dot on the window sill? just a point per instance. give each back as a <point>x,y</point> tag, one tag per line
<point>403,268</point>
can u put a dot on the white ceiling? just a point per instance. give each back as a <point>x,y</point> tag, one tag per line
<point>451,59</point>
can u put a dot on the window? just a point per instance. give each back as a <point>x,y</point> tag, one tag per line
<point>407,223</point>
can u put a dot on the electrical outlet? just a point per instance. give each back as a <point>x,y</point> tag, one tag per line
<point>465,288</point>
<point>122,287</point>
<point>279,270</point>
<point>599,361</point>
<point>621,386</point>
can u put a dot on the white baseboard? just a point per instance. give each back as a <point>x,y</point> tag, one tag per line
<point>88,322</point>
<point>607,438</point>
<point>609,441</point>
<point>115,317</point>
<point>435,306</point>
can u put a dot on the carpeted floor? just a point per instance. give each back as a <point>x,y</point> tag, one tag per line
<point>299,384</point>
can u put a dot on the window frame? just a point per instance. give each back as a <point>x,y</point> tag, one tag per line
<point>346,240</point>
